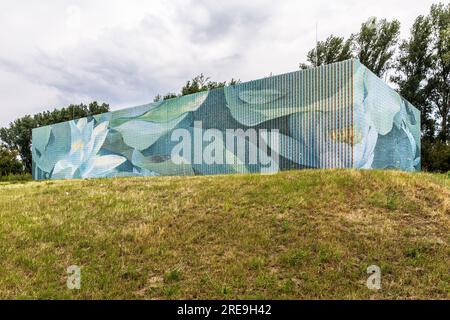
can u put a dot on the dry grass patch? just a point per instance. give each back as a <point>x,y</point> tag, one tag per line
<point>294,235</point>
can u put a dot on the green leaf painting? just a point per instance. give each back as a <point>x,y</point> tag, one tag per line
<point>336,116</point>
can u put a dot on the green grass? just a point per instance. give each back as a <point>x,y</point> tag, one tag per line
<point>294,235</point>
<point>16,178</point>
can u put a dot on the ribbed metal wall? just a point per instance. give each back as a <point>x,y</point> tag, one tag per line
<point>326,99</point>
<point>386,126</point>
<point>335,116</point>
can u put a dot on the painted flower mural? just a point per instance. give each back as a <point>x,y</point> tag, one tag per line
<point>83,160</point>
<point>394,121</point>
<point>337,116</point>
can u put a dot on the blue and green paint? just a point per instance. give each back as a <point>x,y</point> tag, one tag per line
<point>334,116</point>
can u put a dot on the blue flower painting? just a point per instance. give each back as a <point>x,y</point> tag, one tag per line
<point>335,116</point>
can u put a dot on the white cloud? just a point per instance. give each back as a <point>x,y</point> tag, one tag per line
<point>53,53</point>
<point>73,20</point>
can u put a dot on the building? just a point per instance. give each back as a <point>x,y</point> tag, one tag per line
<point>335,116</point>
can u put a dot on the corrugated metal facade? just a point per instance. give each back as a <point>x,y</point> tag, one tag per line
<point>303,119</point>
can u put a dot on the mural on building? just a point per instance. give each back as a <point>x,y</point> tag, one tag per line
<point>334,116</point>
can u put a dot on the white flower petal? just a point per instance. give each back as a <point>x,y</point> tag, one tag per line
<point>363,152</point>
<point>140,134</point>
<point>98,138</point>
<point>382,103</point>
<point>64,169</point>
<point>75,133</point>
<point>86,132</point>
<point>100,165</point>
<point>81,124</point>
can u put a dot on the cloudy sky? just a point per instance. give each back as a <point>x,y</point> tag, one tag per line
<point>124,52</point>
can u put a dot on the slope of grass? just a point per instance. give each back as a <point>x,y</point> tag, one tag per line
<point>294,235</point>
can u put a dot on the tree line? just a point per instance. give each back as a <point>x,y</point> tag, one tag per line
<point>197,84</point>
<point>418,67</point>
<point>15,140</point>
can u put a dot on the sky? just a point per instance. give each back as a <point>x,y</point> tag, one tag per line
<point>123,52</point>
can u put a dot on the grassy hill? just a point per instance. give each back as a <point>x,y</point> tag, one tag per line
<point>294,235</point>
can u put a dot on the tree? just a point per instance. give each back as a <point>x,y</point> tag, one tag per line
<point>439,78</point>
<point>333,49</point>
<point>168,95</point>
<point>18,135</point>
<point>157,98</point>
<point>201,83</point>
<point>412,69</point>
<point>197,84</point>
<point>375,44</point>
<point>233,82</point>
<point>422,70</point>
<point>435,156</point>
<point>9,162</point>
<point>423,78</point>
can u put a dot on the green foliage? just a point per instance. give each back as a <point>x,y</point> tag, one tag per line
<point>423,78</point>
<point>423,74</point>
<point>375,44</point>
<point>197,84</point>
<point>9,162</point>
<point>200,83</point>
<point>439,79</point>
<point>18,135</point>
<point>69,113</point>
<point>172,276</point>
<point>412,66</point>
<point>333,49</point>
<point>435,156</point>
<point>15,178</point>
<point>167,96</point>
<point>157,98</point>
<point>422,70</point>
